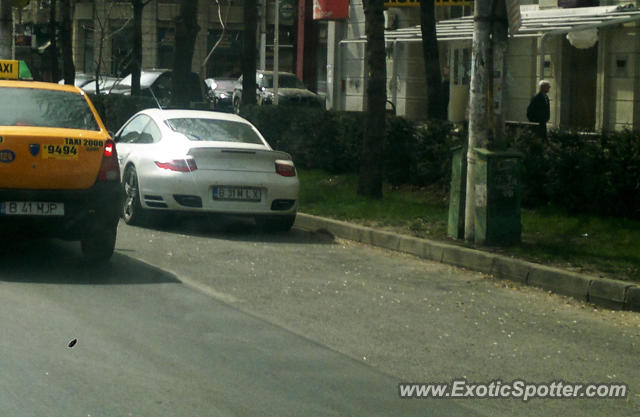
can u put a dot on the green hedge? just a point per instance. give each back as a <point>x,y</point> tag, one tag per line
<point>332,141</point>
<point>598,174</point>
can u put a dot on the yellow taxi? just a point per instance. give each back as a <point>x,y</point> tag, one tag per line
<point>59,172</point>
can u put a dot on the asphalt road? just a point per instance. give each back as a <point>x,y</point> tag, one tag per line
<point>130,339</point>
<point>193,321</point>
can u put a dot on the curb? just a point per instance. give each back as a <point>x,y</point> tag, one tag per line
<point>610,293</point>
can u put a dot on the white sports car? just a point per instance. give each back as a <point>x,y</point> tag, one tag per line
<point>204,162</point>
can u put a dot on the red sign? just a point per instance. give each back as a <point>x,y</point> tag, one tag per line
<point>330,9</point>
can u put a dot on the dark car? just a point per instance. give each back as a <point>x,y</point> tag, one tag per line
<point>158,83</point>
<point>291,91</point>
<point>220,92</point>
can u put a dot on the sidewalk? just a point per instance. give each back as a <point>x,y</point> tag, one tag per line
<point>614,294</point>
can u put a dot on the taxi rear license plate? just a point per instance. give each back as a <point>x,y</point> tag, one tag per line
<point>236,193</point>
<point>31,208</point>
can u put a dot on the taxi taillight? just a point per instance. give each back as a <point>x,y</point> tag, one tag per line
<point>110,169</point>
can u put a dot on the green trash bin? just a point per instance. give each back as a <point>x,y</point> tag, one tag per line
<point>497,197</point>
<point>457,192</point>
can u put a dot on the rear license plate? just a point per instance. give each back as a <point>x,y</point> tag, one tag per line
<point>31,208</point>
<point>236,193</point>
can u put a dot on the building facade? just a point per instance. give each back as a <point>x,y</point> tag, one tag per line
<point>102,34</point>
<point>590,55</point>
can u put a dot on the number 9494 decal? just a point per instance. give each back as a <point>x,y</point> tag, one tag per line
<point>60,151</point>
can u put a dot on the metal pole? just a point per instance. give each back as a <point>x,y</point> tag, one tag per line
<point>276,48</point>
<point>478,111</point>
<point>263,35</point>
<point>499,39</point>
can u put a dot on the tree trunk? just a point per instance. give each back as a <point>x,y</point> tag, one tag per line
<point>249,53</point>
<point>436,107</point>
<point>53,47</point>
<point>478,108</point>
<point>186,31</point>
<point>136,63</point>
<point>68,68</point>
<point>6,29</point>
<point>370,180</point>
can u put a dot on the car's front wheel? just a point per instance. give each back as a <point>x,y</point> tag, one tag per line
<point>98,245</point>
<point>276,223</point>
<point>132,211</point>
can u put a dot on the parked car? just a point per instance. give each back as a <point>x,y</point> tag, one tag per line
<point>105,83</point>
<point>291,91</point>
<point>191,161</point>
<point>158,83</point>
<point>220,92</point>
<point>81,79</point>
<point>59,173</point>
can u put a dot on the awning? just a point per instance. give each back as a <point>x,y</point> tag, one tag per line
<point>535,22</point>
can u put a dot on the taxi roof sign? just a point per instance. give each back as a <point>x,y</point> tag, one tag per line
<point>14,70</point>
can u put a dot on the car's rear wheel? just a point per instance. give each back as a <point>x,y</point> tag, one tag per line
<point>132,211</point>
<point>98,245</point>
<point>276,223</point>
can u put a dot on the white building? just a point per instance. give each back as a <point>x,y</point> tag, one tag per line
<point>595,79</point>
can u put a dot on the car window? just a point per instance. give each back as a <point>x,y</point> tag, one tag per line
<point>146,79</point>
<point>200,129</point>
<point>225,85</point>
<point>133,130</point>
<point>150,134</point>
<point>45,108</point>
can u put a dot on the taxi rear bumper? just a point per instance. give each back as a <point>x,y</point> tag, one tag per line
<point>85,211</point>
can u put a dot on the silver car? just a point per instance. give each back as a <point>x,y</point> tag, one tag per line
<point>204,162</point>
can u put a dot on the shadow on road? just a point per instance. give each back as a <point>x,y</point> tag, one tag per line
<point>234,228</point>
<point>52,261</point>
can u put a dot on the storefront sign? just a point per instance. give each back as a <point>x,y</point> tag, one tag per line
<point>330,9</point>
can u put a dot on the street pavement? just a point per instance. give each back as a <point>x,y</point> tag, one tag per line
<point>192,320</point>
<point>129,339</point>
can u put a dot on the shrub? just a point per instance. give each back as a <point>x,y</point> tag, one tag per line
<point>597,174</point>
<point>433,153</point>
<point>332,141</point>
<point>315,138</point>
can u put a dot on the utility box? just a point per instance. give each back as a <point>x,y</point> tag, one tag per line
<point>457,192</point>
<point>497,197</point>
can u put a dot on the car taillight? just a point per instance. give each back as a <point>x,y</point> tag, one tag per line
<point>109,147</point>
<point>285,168</point>
<point>179,165</point>
<point>109,169</point>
